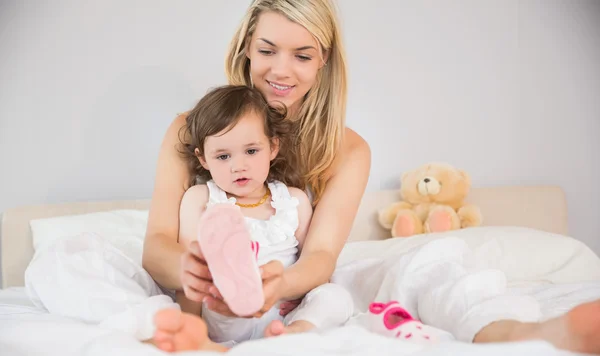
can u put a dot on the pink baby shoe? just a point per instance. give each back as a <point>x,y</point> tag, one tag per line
<point>390,319</point>
<point>224,241</point>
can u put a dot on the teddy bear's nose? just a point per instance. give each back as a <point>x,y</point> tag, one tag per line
<point>426,180</point>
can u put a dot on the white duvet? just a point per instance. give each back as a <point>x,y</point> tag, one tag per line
<point>87,294</point>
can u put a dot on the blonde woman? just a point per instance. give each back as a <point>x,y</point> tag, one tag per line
<point>292,52</point>
<point>304,68</point>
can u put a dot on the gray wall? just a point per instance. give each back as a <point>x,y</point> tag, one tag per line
<point>506,89</point>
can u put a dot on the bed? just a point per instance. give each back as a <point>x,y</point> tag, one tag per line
<point>517,214</point>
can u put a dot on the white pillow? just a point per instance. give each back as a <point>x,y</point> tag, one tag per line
<point>125,229</point>
<point>524,254</point>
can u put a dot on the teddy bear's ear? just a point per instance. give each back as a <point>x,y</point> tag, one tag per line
<point>465,176</point>
<point>404,176</point>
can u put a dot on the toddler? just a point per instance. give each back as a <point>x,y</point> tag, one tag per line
<point>250,211</point>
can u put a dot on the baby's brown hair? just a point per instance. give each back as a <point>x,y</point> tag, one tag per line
<point>220,109</point>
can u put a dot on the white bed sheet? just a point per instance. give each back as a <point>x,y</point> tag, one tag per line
<point>28,330</point>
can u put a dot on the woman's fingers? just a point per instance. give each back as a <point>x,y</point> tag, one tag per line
<point>191,281</point>
<point>194,248</point>
<point>218,306</point>
<point>193,294</point>
<point>215,292</point>
<point>271,270</point>
<point>195,276</point>
<point>195,266</point>
<point>195,289</point>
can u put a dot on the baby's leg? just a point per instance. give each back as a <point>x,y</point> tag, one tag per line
<point>438,284</point>
<point>475,306</point>
<point>578,330</point>
<point>464,304</point>
<point>326,306</point>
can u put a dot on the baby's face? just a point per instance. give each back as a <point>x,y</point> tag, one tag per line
<point>239,158</point>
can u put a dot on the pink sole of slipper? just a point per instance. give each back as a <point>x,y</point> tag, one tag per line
<point>226,246</point>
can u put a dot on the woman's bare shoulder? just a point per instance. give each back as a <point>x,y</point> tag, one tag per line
<point>353,141</point>
<point>354,151</point>
<point>169,155</point>
<point>175,127</point>
<point>172,176</point>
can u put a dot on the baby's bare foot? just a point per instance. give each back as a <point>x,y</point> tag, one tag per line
<point>177,331</point>
<point>583,323</point>
<point>275,328</point>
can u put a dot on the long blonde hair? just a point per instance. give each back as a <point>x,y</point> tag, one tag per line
<point>321,117</point>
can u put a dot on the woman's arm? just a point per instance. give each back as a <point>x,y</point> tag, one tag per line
<point>332,219</point>
<point>304,215</point>
<point>162,252</point>
<point>192,207</point>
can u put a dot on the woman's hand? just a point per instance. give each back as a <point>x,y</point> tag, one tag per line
<point>273,285</point>
<point>198,286</point>
<point>197,281</point>
<point>195,276</point>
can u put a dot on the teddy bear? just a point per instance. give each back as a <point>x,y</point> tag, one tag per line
<point>433,200</point>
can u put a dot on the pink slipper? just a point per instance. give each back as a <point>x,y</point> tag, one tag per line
<point>224,241</point>
<point>390,319</point>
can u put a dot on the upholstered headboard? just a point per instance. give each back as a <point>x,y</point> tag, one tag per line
<point>541,207</point>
